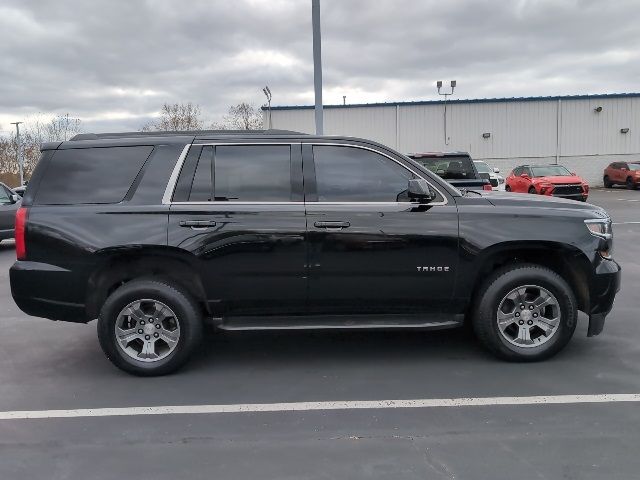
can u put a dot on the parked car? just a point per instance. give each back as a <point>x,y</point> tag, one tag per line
<point>550,180</point>
<point>457,168</point>
<point>493,174</point>
<point>281,230</point>
<point>9,203</point>
<point>622,173</point>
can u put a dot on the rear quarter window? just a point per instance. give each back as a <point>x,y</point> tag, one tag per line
<point>91,175</point>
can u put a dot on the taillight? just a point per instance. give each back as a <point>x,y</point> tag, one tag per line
<point>487,186</point>
<point>21,224</point>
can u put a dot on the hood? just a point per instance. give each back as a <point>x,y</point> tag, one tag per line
<point>560,179</point>
<point>511,199</point>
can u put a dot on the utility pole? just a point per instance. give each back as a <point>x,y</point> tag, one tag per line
<point>344,99</point>
<point>19,156</point>
<point>446,95</point>
<point>317,65</point>
<point>267,93</point>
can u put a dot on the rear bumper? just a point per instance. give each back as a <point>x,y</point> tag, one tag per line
<point>47,291</point>
<point>606,285</point>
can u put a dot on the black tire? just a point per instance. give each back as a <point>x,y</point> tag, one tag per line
<point>532,191</point>
<point>629,183</point>
<point>507,188</point>
<point>186,312</point>
<point>607,182</point>
<point>499,284</point>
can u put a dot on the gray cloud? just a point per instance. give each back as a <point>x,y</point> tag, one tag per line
<point>113,63</point>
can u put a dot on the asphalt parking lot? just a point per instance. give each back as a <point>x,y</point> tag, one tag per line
<point>48,366</point>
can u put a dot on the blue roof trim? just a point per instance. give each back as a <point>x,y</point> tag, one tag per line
<point>476,100</point>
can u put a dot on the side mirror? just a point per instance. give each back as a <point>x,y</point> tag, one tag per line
<point>15,198</point>
<point>419,190</point>
<point>496,170</point>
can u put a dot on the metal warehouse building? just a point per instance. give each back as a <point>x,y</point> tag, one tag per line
<point>583,132</point>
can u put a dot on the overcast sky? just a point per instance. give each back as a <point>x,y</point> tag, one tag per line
<point>113,63</point>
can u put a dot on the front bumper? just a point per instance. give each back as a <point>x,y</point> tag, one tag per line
<point>605,286</point>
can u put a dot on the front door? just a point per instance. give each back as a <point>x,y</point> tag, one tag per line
<point>370,248</point>
<point>238,212</point>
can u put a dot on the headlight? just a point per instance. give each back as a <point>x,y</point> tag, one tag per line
<point>600,228</point>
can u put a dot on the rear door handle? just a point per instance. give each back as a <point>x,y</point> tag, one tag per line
<point>332,225</point>
<point>198,224</point>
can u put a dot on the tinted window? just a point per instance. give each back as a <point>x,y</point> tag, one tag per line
<point>482,167</point>
<point>91,175</point>
<point>517,171</point>
<point>634,166</point>
<point>201,190</point>
<point>449,168</point>
<point>345,174</point>
<point>253,173</point>
<point>4,195</point>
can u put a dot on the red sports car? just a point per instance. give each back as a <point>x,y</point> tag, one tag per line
<point>552,180</point>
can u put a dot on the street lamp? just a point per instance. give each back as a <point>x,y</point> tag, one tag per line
<point>267,93</point>
<point>19,157</point>
<point>446,96</point>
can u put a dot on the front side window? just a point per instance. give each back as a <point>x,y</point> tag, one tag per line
<point>4,195</point>
<point>348,174</point>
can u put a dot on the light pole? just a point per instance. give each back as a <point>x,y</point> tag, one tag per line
<point>267,93</point>
<point>446,96</point>
<point>19,157</point>
<point>317,64</point>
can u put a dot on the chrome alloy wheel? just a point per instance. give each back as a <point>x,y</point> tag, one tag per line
<point>147,330</point>
<point>528,316</point>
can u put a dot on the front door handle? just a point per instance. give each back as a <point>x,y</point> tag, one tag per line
<point>198,224</point>
<point>332,225</point>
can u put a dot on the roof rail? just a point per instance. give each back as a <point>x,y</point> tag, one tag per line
<point>98,136</point>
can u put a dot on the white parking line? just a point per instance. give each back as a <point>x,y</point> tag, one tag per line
<point>626,223</point>
<point>311,406</point>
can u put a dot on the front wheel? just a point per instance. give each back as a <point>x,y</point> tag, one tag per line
<point>630,184</point>
<point>149,328</point>
<point>532,190</point>
<point>607,182</point>
<point>507,188</point>
<point>525,312</point>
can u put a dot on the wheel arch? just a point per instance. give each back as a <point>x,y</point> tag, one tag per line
<point>566,260</point>
<point>118,266</point>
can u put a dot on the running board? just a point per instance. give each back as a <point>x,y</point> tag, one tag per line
<point>331,322</point>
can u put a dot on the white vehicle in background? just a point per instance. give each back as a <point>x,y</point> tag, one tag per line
<point>497,181</point>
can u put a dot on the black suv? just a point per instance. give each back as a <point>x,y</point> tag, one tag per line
<point>154,233</point>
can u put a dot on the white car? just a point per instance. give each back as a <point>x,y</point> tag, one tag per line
<point>497,181</point>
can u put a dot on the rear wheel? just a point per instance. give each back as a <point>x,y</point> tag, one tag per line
<point>532,190</point>
<point>525,313</point>
<point>148,327</point>
<point>607,182</point>
<point>507,188</point>
<point>630,184</point>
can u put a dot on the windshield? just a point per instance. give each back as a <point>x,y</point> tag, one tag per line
<point>482,167</point>
<point>449,168</point>
<point>550,171</point>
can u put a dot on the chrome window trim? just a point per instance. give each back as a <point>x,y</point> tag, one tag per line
<point>173,179</point>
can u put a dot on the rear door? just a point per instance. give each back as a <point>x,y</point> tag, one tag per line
<point>370,248</point>
<point>238,209</point>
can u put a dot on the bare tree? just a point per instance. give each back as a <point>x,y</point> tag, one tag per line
<point>243,116</point>
<point>176,117</point>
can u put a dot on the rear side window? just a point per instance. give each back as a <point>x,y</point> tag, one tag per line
<point>347,174</point>
<point>91,175</point>
<point>236,173</point>
<point>450,167</point>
